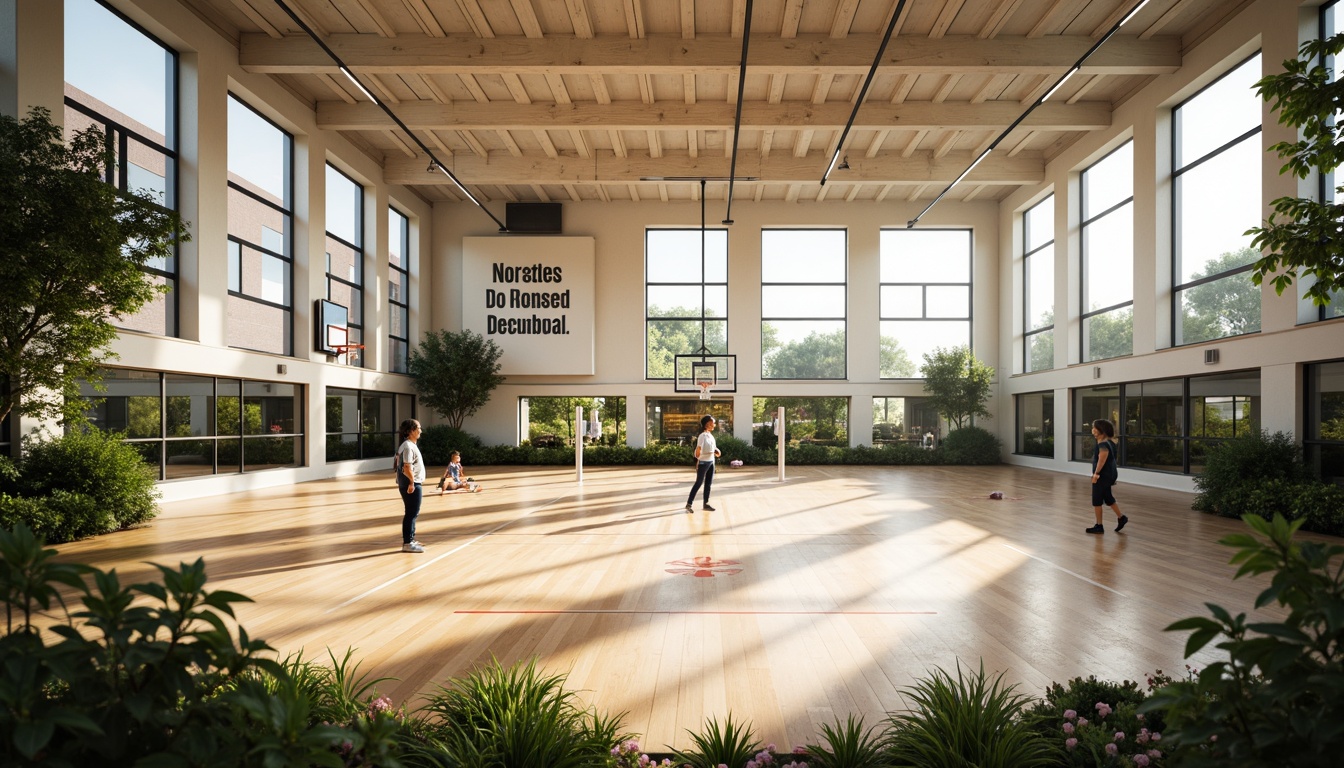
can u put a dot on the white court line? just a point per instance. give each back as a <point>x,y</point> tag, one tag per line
<point>454,550</point>
<point>1066,570</point>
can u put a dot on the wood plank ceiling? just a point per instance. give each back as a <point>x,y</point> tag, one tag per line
<point>569,100</point>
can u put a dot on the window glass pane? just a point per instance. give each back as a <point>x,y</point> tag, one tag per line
<point>131,403</point>
<point>1108,259</point>
<point>190,406</point>
<point>673,256</point>
<point>803,256</point>
<point>1226,406</point>
<point>674,301</point>
<point>803,349</point>
<point>894,361</point>
<point>117,65</point>
<point>271,452</point>
<point>272,408</point>
<point>258,224</point>
<point>902,301</point>
<point>258,326</point>
<point>1038,225</point>
<point>380,413</point>
<point>1040,289</point>
<point>924,256</point>
<point>348,297</point>
<point>1090,404</point>
<point>677,286</point>
<point>677,421</point>
<point>399,352</point>
<point>189,458</point>
<point>344,262</point>
<point>803,301</point>
<point>1109,181</point>
<point>1218,114</point>
<point>1160,409</point>
<point>342,410</point>
<point>1035,424</point>
<point>398,228</point>
<point>1040,351</point>
<point>948,301</point>
<point>1154,454</point>
<point>667,338</point>
<point>1218,201</point>
<point>344,207</point>
<point>1226,307</point>
<point>920,337</point>
<point>147,172</point>
<point>259,155</point>
<point>1107,335</point>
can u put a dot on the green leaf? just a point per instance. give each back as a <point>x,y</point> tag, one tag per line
<point>31,737</point>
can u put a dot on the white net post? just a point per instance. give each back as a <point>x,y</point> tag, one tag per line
<point>779,439</point>
<point>578,444</point>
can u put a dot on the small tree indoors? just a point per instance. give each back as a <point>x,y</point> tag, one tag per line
<point>455,373</point>
<point>71,251</point>
<point>958,384</point>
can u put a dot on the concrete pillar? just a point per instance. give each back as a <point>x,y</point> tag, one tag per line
<point>32,57</point>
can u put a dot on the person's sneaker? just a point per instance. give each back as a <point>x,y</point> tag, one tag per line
<point>414,546</point>
<point>1121,524</point>
<point>689,508</point>
<point>1098,528</point>
<point>707,508</point>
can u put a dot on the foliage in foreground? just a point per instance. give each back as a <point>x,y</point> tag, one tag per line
<point>1278,699</point>
<point>1096,723</point>
<point>971,719</point>
<point>1263,474</point>
<point>80,484</point>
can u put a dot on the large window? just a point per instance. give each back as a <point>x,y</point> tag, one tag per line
<point>925,296</point>
<point>398,291</point>
<point>1216,165</point>
<point>1169,425</point>
<point>685,296</point>
<point>345,254</point>
<point>1324,444</point>
<point>122,81</point>
<point>1038,286</point>
<point>1036,424</point>
<point>1108,256</point>
<point>548,422</point>
<point>810,420</point>
<point>904,420</point>
<point>803,284</point>
<point>261,238</point>
<point>191,426</point>
<point>677,421</point>
<point>363,425</point>
<point>1332,23</point>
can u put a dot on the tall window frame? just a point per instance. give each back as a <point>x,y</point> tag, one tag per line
<point>1331,24</point>
<point>926,292</point>
<point>398,291</point>
<point>261,269</point>
<point>1038,277</point>
<point>362,424</point>
<point>1107,217</point>
<point>1233,301</point>
<point>1323,443</point>
<point>685,295</point>
<point>136,148</point>
<point>803,269</point>
<point>345,248</point>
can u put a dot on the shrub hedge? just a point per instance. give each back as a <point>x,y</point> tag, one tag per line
<point>77,485</point>
<point>1263,474</point>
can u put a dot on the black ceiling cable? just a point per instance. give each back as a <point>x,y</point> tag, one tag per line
<point>1039,101</point>
<point>737,123</point>
<point>839,145</point>
<point>434,163</point>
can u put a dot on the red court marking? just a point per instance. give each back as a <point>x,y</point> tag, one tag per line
<point>702,613</point>
<point>703,567</point>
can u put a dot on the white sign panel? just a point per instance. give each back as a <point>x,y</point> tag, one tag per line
<point>533,296</point>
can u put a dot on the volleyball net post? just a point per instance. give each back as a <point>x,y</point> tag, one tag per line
<point>779,441</point>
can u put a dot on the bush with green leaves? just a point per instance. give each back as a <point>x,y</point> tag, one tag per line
<point>971,719</point>
<point>516,717</point>
<point>1233,466</point>
<point>848,746</point>
<point>148,674</point>
<point>80,484</point>
<point>971,445</point>
<point>438,442</point>
<point>727,743</point>
<point>1278,698</point>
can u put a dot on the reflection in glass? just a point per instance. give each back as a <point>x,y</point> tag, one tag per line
<point>1036,424</point>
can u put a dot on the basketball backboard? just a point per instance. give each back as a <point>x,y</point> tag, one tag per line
<point>697,372</point>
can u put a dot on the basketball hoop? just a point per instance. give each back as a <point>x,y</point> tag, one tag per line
<point>704,389</point>
<point>343,352</point>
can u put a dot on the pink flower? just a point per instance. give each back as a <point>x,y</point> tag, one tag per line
<point>800,750</point>
<point>1070,743</point>
<point>1142,738</point>
<point>1139,717</point>
<point>1154,753</point>
<point>1069,714</point>
<point>769,747</point>
<point>1068,727</point>
<point>1156,737</point>
<point>1112,750</point>
<point>1119,735</point>
<point>1082,721</point>
<point>1103,709</point>
<point>1141,760</point>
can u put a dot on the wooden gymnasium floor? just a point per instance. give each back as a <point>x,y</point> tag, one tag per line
<point>791,605</point>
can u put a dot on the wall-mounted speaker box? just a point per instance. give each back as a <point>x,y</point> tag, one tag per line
<point>532,218</point>
<point>1210,356</point>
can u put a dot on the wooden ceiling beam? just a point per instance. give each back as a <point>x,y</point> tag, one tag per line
<point>605,168</point>
<point>811,54</point>
<point>957,115</point>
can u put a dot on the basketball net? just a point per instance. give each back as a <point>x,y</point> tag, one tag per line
<point>704,389</point>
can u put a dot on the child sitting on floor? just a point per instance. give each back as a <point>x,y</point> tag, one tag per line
<point>452,477</point>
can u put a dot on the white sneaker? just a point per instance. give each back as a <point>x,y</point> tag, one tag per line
<point>414,546</point>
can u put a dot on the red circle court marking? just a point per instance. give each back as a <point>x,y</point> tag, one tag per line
<point>703,567</point>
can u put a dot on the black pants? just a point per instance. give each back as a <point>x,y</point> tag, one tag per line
<point>704,473</point>
<point>412,503</point>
